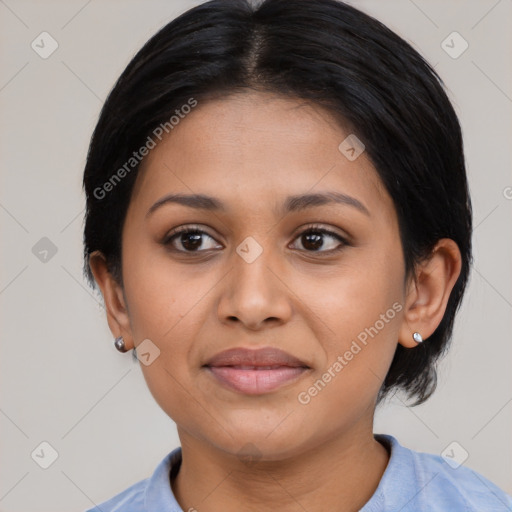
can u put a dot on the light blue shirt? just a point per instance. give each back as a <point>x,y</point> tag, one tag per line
<point>412,482</point>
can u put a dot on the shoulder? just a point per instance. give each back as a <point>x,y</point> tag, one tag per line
<point>458,485</point>
<point>152,493</point>
<point>432,483</point>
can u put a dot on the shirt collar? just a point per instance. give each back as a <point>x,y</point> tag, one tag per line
<point>398,485</point>
<point>159,495</point>
<point>400,470</point>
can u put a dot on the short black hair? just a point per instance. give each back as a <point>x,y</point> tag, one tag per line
<point>322,51</point>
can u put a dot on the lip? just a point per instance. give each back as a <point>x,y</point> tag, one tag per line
<point>255,371</point>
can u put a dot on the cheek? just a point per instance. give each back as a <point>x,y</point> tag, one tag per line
<point>359,310</point>
<point>359,351</point>
<point>160,294</point>
<point>165,303</point>
<point>172,391</point>
<point>354,295</point>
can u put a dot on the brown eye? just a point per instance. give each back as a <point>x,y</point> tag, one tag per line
<point>189,240</point>
<point>320,240</point>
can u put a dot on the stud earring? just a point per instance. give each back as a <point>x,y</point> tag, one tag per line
<point>119,344</point>
<point>417,337</point>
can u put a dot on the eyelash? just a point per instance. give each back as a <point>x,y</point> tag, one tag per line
<point>311,229</point>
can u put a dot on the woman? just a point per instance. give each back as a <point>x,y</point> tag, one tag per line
<point>278,219</point>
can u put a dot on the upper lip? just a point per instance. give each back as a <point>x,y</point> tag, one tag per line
<point>267,356</point>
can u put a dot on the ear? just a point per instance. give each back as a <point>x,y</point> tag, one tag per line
<point>113,295</point>
<point>428,292</point>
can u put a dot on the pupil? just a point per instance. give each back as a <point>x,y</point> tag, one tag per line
<point>194,237</point>
<point>192,241</point>
<point>314,241</point>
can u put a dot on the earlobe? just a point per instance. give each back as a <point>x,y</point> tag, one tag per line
<point>115,305</point>
<point>428,292</point>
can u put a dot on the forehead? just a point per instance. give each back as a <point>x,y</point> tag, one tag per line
<point>255,147</point>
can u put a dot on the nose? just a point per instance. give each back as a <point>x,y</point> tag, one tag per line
<point>255,294</point>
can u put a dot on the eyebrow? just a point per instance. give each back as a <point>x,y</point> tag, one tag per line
<point>291,204</point>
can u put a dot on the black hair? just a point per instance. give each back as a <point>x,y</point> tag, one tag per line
<point>322,51</point>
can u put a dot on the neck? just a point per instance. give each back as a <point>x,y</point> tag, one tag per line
<point>340,474</point>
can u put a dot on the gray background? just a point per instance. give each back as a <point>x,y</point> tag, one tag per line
<point>62,380</point>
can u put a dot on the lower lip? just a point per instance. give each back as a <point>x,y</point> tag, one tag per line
<point>256,382</point>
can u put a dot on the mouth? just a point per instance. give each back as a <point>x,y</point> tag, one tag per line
<point>255,372</point>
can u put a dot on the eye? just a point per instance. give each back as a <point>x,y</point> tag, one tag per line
<point>191,239</point>
<point>313,240</point>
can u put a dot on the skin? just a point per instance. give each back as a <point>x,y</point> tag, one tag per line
<point>269,451</point>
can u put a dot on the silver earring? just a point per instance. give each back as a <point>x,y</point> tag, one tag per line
<point>119,344</point>
<point>417,337</point>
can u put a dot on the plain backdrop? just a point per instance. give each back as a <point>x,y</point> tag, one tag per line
<point>62,381</point>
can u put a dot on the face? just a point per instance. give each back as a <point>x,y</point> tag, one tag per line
<point>320,279</point>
